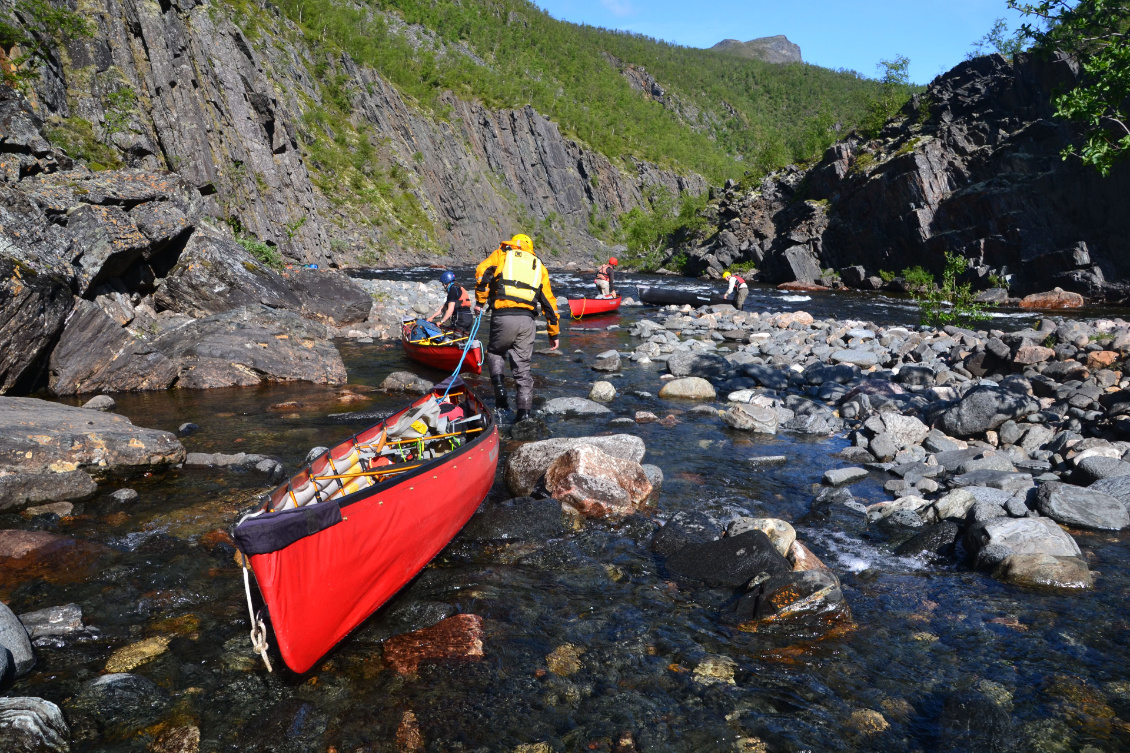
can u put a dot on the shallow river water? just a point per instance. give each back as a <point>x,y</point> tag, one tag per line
<point>950,658</point>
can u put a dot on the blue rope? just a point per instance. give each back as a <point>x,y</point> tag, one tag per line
<point>466,348</point>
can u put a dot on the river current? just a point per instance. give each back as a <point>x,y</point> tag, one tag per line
<point>941,657</point>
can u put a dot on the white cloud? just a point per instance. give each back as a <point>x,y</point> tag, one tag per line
<point>619,8</point>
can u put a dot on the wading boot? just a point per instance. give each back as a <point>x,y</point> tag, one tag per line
<point>522,415</point>
<point>500,401</point>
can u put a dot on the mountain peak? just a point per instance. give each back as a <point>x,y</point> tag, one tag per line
<point>776,49</point>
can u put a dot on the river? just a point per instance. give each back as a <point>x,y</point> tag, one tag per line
<point>931,643</point>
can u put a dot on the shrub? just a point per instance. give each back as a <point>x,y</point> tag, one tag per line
<point>917,278</point>
<point>887,276</point>
<point>950,302</point>
<point>743,267</point>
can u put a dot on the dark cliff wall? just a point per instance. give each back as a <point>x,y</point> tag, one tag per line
<point>242,116</point>
<point>971,166</point>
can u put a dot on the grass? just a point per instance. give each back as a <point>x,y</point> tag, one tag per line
<point>76,137</point>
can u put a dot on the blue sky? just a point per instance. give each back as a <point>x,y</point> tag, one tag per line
<point>833,33</point>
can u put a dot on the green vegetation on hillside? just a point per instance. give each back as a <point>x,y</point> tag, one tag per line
<point>725,115</point>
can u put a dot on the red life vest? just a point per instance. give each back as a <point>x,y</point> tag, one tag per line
<point>739,279</point>
<point>464,297</point>
<point>604,271</point>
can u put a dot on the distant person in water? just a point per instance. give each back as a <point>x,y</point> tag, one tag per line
<point>736,291</point>
<point>457,307</point>
<point>606,279</point>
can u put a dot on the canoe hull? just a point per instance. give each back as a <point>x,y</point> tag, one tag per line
<point>591,306</point>
<point>668,297</point>
<point>446,357</point>
<point>321,587</point>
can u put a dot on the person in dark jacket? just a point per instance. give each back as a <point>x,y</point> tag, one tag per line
<point>457,306</point>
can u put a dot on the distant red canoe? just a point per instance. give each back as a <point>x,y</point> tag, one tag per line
<point>579,307</point>
<point>443,357</point>
<point>324,567</point>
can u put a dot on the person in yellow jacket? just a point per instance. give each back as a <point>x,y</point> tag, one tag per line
<point>514,282</point>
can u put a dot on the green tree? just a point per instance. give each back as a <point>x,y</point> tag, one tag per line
<point>998,39</point>
<point>949,303</point>
<point>1097,34</point>
<point>894,91</point>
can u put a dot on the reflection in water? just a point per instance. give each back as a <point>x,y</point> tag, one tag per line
<point>943,658</point>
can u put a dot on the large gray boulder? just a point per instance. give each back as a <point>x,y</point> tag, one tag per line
<point>1116,486</point>
<point>53,621</point>
<point>687,363</point>
<point>33,310</point>
<point>37,436</point>
<point>1081,507</point>
<point>20,490</point>
<point>108,242</point>
<point>329,296</point>
<point>527,465</point>
<point>985,408</point>
<point>1044,571</point>
<point>574,406</point>
<point>14,637</point>
<point>1021,536</point>
<point>32,725</point>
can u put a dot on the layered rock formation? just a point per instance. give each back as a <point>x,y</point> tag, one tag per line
<point>973,166</point>
<point>776,49</point>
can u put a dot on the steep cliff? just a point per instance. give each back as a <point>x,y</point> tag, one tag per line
<point>315,154</point>
<point>776,49</point>
<point>971,166</point>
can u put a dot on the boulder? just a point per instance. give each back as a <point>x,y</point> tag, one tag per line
<point>937,539</point>
<point>805,603</point>
<point>1005,480</point>
<point>803,558</point>
<point>686,363</point>
<point>239,461</point>
<point>457,637</point>
<point>41,437</point>
<point>250,346</point>
<point>602,392</point>
<point>1052,299</point>
<point>100,402</point>
<point>906,431</point>
<point>20,490</point>
<point>214,275</point>
<point>684,529</point>
<point>841,476</point>
<point>14,637</point>
<point>406,381</point>
<point>1081,507</point>
<point>730,562</point>
<point>32,725</point>
<point>116,704</point>
<point>1021,536</point>
<point>1044,571</point>
<point>795,263</point>
<point>984,408</point>
<point>573,406</point>
<point>688,388</point>
<point>34,306</point>
<point>779,531</point>
<point>108,242</point>
<point>328,296</point>
<point>751,418</point>
<point>527,465</point>
<point>1116,486</point>
<point>53,621</point>
<point>597,484</point>
<point>608,361</point>
<point>1098,467</point>
<point>856,356</point>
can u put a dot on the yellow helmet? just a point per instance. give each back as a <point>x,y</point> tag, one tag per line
<point>521,242</point>
<point>726,275</point>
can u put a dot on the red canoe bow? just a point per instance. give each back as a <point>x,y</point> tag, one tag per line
<point>443,357</point>
<point>579,307</point>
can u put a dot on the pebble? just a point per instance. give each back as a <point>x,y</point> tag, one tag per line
<point>841,476</point>
<point>100,402</point>
<point>125,496</point>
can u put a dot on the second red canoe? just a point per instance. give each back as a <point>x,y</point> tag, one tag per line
<point>579,307</point>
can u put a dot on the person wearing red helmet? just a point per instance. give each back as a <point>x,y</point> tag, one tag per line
<point>606,278</point>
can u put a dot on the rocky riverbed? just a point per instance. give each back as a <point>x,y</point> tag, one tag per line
<point>755,531</point>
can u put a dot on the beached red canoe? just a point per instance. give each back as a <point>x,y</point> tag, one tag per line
<point>325,566</point>
<point>579,307</point>
<point>442,357</point>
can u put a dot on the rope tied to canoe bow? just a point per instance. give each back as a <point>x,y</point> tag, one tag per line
<point>258,629</point>
<point>466,348</point>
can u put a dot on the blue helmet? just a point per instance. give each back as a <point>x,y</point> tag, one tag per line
<point>447,278</point>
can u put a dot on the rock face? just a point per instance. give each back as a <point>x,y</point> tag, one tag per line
<point>14,638</point>
<point>41,437</point>
<point>971,166</point>
<point>776,49</point>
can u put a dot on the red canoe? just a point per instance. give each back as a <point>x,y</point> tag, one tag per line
<point>442,357</point>
<point>579,307</point>
<point>325,566</point>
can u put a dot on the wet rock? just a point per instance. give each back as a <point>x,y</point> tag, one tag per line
<point>39,437</point>
<point>328,296</point>
<point>1116,486</point>
<point>184,739</point>
<point>984,408</point>
<point>240,461</point>
<point>730,562</point>
<point>521,519</point>
<point>803,559</point>
<point>19,490</point>
<point>602,392</point>
<point>457,637</point>
<point>100,402</point>
<point>779,532</point>
<point>14,637</point>
<point>565,660</point>
<point>1044,571</point>
<point>531,429</point>
<point>1080,507</point>
<point>655,476</point>
<point>527,465</point>
<point>937,539</point>
<point>688,388</point>
<point>187,429</point>
<point>597,484</point>
<point>125,496</point>
<point>971,720</point>
<point>1053,299</point>
<point>715,670</point>
<point>797,603</point>
<point>32,725</point>
<point>856,357</point>
<point>250,346</point>
<point>116,704</point>
<point>53,621</point>
<point>608,361</point>
<point>702,365</point>
<point>868,722</point>
<point>841,476</point>
<point>573,406</point>
<point>406,381</point>
<point>1021,536</point>
<point>16,544</point>
<point>684,529</point>
<point>134,655</point>
<point>752,418</point>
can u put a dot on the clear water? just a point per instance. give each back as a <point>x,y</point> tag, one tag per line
<point>925,632</point>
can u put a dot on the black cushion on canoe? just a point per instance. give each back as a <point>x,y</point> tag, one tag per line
<point>278,530</point>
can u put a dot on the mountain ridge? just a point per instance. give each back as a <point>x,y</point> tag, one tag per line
<point>776,49</point>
